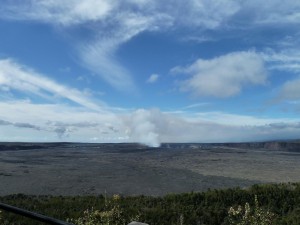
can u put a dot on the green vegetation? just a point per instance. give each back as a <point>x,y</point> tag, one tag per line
<point>210,208</point>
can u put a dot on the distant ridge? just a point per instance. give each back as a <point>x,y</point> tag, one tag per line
<point>291,145</point>
<point>284,145</point>
<point>270,145</point>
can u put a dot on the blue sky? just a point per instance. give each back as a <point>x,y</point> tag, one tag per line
<point>149,71</point>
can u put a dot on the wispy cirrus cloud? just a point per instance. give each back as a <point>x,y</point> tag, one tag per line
<point>15,76</point>
<point>286,59</point>
<point>223,76</point>
<point>99,55</point>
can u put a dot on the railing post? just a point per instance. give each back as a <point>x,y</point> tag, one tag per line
<point>32,215</point>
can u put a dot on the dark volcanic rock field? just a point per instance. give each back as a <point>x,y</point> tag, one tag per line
<point>132,169</point>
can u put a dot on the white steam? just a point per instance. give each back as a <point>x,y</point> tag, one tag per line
<point>142,127</point>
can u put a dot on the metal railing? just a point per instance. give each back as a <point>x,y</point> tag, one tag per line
<point>32,215</point>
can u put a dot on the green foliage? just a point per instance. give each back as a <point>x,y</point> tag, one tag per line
<point>206,208</point>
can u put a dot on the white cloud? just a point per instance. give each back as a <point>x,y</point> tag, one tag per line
<point>212,13</point>
<point>224,76</point>
<point>290,90</point>
<point>65,13</point>
<point>153,78</point>
<point>18,77</point>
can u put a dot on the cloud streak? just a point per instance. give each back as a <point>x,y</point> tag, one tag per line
<point>14,76</point>
<point>19,125</point>
<point>287,59</point>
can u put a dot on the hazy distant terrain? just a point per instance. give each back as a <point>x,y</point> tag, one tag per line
<point>132,169</point>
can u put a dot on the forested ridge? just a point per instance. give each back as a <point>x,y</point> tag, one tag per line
<point>209,208</point>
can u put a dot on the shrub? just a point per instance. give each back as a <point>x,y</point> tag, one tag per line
<point>246,216</point>
<point>112,215</point>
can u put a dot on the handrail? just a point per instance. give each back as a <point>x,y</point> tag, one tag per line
<point>32,215</point>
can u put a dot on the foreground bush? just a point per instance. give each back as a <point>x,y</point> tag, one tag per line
<point>247,216</point>
<point>112,215</point>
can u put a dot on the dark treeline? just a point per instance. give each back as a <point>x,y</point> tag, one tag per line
<point>209,208</point>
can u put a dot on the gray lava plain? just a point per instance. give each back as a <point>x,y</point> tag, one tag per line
<point>133,169</point>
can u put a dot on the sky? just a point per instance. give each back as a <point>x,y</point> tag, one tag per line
<point>149,71</point>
